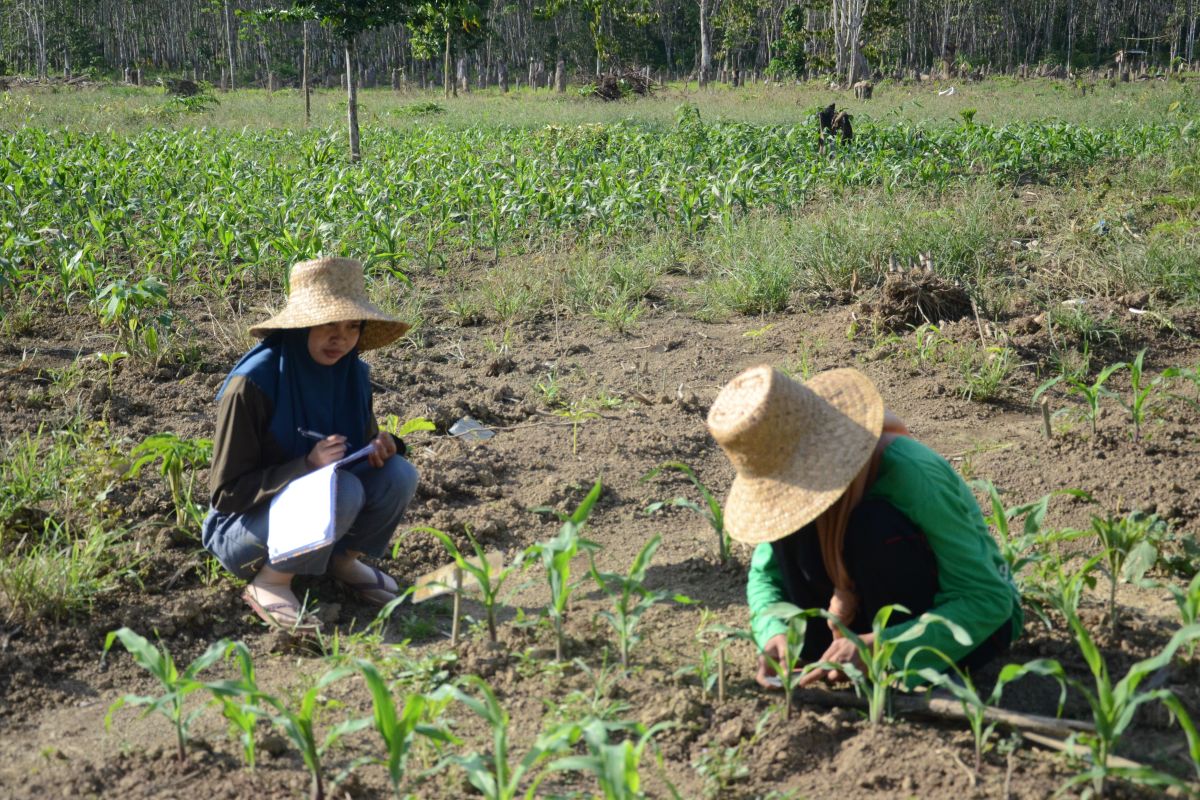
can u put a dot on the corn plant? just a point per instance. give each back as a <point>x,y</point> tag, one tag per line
<point>298,725</point>
<point>490,580</point>
<point>1140,391</point>
<point>399,730</point>
<point>1130,550</point>
<point>1091,393</point>
<point>631,599</point>
<point>1021,550</point>
<point>492,774</point>
<point>975,707</point>
<point>796,619</point>
<point>556,555</point>
<point>614,765</point>
<point>176,685</point>
<point>1113,705</point>
<point>137,310</point>
<point>175,456</point>
<point>879,673</point>
<point>237,698</point>
<point>712,511</point>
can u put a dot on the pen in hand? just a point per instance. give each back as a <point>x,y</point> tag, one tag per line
<point>307,434</point>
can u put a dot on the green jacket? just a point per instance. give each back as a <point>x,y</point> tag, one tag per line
<point>975,589</point>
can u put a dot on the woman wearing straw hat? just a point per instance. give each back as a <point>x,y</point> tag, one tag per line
<point>849,513</point>
<point>298,401</point>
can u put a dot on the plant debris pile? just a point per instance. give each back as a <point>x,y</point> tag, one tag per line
<point>913,297</point>
<point>617,84</point>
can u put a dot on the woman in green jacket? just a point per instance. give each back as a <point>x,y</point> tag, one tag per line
<point>849,513</point>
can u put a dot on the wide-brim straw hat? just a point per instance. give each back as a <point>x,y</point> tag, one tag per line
<point>328,290</point>
<point>796,447</point>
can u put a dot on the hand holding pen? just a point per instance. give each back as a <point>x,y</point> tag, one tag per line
<point>327,449</point>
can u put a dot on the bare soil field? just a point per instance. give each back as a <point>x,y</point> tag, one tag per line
<point>656,382</point>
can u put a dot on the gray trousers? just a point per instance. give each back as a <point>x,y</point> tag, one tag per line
<point>370,504</point>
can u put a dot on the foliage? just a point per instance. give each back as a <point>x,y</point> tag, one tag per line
<point>175,455</point>
<point>491,773</point>
<point>1129,548</point>
<point>1091,393</point>
<point>1140,391</point>
<point>631,599</point>
<point>712,511</point>
<point>298,725</point>
<point>614,765</point>
<point>490,580</point>
<point>176,685</point>
<point>879,673</point>
<point>237,698</point>
<point>796,619</point>
<point>556,555</point>
<point>398,730</point>
<point>1113,704</point>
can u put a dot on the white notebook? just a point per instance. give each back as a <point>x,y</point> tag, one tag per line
<point>302,515</point>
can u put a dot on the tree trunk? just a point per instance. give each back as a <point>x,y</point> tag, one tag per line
<point>502,69</point>
<point>352,102</point>
<point>229,40</point>
<point>560,76</point>
<point>304,88</point>
<point>464,84</point>
<point>705,45</point>
<point>447,78</point>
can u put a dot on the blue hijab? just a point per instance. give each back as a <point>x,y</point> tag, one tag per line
<point>305,394</point>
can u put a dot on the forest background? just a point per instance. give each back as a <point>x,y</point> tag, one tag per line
<point>547,42</point>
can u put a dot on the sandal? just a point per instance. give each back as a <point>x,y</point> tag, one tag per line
<point>370,592</point>
<point>283,616</point>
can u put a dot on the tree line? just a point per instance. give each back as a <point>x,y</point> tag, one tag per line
<point>461,43</point>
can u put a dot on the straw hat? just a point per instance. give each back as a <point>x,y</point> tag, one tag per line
<point>333,290</point>
<point>795,446</point>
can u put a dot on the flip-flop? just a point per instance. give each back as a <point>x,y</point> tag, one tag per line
<point>274,615</point>
<point>364,590</point>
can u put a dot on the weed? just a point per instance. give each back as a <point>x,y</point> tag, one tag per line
<point>1129,548</point>
<point>393,426</point>
<point>175,685</point>
<point>175,456</point>
<point>985,373</point>
<point>722,767</point>
<point>576,415</point>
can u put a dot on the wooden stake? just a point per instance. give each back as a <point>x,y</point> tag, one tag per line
<point>720,674</point>
<point>457,606</point>
<point>1045,404</point>
<point>1070,748</point>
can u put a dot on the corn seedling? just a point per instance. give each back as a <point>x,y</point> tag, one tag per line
<point>237,698</point>
<point>796,619</point>
<point>176,685</point>
<point>1130,550</point>
<point>631,599</point>
<point>963,689</point>
<point>1021,550</point>
<point>556,555</point>
<point>880,673</point>
<point>711,512</point>
<point>491,773</point>
<point>615,766</point>
<point>110,361</point>
<point>398,730</point>
<point>1091,393</point>
<point>175,456</point>
<point>298,725</point>
<point>1113,705</point>
<point>1140,391</point>
<point>489,578</point>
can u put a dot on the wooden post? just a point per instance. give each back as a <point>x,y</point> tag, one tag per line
<point>457,611</point>
<point>304,81</point>
<point>1046,429</point>
<point>271,82</point>
<point>720,674</point>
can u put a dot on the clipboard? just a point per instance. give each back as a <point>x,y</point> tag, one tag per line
<point>301,517</point>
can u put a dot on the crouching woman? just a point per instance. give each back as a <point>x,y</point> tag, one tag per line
<point>297,402</point>
<point>849,513</point>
